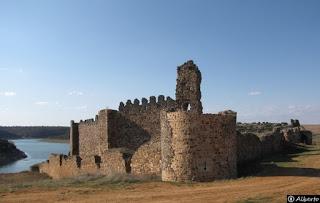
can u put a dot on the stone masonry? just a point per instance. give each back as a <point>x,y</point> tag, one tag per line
<point>163,137</point>
<point>198,147</point>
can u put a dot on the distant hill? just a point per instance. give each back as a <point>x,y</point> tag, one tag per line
<point>24,132</point>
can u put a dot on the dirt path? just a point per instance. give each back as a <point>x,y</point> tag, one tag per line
<point>255,189</point>
<point>299,176</point>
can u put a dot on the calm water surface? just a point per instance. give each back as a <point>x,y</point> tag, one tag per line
<point>36,150</point>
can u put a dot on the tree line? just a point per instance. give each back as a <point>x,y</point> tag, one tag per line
<point>25,132</point>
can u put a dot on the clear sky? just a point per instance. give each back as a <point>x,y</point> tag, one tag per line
<point>66,59</point>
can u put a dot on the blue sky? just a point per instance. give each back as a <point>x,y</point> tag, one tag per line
<point>62,60</point>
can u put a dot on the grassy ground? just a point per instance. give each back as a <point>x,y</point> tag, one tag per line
<point>297,172</point>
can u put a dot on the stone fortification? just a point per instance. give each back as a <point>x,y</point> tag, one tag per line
<point>256,141</point>
<point>198,147</point>
<point>168,138</point>
<point>188,93</point>
<point>62,166</point>
<point>93,135</point>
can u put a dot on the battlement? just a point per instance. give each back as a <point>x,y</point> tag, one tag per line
<point>144,105</point>
<point>94,121</point>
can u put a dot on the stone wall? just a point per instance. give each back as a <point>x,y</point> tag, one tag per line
<point>74,138</point>
<point>272,142</point>
<point>251,147</point>
<point>147,159</point>
<point>292,134</point>
<point>188,93</point>
<point>306,137</point>
<point>138,123</point>
<point>198,147</point>
<point>93,135</point>
<point>248,147</point>
<point>137,127</point>
<point>110,163</point>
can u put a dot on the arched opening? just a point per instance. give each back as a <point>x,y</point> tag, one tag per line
<point>186,107</point>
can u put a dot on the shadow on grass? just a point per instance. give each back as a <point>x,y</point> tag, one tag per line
<point>114,181</point>
<point>281,164</point>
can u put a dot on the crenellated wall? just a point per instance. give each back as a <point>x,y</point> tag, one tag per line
<point>166,137</point>
<point>145,105</point>
<point>138,126</point>
<point>198,147</point>
<point>93,135</point>
<point>137,123</point>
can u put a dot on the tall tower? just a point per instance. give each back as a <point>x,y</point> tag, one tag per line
<point>188,93</point>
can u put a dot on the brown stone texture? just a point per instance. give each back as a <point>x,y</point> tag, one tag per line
<point>138,126</point>
<point>271,143</point>
<point>61,166</point>
<point>93,137</point>
<point>248,147</point>
<point>292,134</point>
<point>188,93</point>
<point>169,138</point>
<point>147,159</point>
<point>251,147</point>
<point>138,123</point>
<point>115,162</point>
<point>198,147</point>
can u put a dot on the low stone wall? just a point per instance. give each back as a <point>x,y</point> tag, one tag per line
<point>61,166</point>
<point>250,147</point>
<point>292,134</point>
<point>116,161</point>
<point>147,159</point>
<point>298,135</point>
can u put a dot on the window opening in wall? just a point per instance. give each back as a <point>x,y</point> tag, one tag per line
<point>186,107</point>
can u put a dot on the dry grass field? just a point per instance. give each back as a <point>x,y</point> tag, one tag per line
<point>297,172</point>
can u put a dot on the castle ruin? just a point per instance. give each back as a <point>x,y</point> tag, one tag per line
<point>172,139</point>
<point>163,137</point>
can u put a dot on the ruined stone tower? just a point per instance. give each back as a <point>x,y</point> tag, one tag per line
<point>196,146</point>
<point>163,137</point>
<point>188,94</point>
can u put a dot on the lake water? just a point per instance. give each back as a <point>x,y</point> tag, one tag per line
<point>36,150</point>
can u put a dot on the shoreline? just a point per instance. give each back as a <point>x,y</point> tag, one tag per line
<point>48,140</point>
<point>54,140</point>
